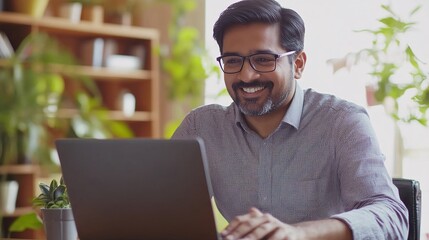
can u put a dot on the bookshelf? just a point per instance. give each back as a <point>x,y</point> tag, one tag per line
<point>26,176</point>
<point>141,81</point>
<point>129,41</point>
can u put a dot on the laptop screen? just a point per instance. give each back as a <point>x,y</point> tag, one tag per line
<point>138,188</point>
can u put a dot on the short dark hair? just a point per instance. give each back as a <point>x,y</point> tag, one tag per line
<point>292,29</point>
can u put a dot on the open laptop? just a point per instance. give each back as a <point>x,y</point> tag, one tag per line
<point>138,188</point>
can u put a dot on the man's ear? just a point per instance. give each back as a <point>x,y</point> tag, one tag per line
<point>299,64</point>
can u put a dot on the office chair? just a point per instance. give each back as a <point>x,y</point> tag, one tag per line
<point>411,196</point>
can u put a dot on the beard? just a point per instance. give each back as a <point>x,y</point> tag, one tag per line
<point>250,106</point>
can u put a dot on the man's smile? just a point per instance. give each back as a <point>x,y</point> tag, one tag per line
<point>252,89</point>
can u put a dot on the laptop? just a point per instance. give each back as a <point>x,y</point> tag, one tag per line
<point>138,188</point>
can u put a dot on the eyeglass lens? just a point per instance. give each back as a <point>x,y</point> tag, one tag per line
<point>263,62</point>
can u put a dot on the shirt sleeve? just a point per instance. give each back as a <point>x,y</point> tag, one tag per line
<point>373,207</point>
<point>186,128</point>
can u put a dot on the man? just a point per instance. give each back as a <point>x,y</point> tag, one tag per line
<point>287,163</point>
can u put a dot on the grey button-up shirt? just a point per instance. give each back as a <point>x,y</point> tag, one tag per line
<point>323,161</point>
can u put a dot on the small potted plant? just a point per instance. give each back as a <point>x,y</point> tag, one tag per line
<point>56,211</point>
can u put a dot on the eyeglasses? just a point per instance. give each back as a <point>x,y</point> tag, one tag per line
<point>260,62</point>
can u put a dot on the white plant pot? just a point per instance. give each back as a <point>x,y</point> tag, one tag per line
<point>59,224</point>
<point>8,195</point>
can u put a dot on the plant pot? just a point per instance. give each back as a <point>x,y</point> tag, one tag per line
<point>371,100</point>
<point>35,8</point>
<point>8,195</point>
<point>59,224</point>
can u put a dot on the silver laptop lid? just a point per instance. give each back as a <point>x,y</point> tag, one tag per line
<point>138,188</point>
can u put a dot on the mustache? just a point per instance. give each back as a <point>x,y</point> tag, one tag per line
<point>256,83</point>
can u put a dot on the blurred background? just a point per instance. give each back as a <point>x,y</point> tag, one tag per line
<point>134,68</point>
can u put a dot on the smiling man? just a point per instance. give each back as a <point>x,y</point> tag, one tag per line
<point>288,163</point>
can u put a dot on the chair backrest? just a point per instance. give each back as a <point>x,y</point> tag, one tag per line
<point>411,196</point>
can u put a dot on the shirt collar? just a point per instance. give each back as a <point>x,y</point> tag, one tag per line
<point>292,116</point>
<point>294,113</point>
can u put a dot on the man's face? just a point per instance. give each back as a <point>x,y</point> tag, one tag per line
<point>254,92</point>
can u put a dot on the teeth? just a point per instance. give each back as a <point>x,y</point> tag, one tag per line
<point>252,89</point>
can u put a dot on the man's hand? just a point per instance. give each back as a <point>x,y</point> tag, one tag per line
<point>258,225</point>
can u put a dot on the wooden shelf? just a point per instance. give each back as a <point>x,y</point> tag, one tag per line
<point>101,73</point>
<point>19,211</point>
<point>143,83</point>
<point>25,175</point>
<point>87,29</point>
<point>114,115</point>
<point>19,169</point>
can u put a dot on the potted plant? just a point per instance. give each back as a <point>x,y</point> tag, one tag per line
<point>398,78</point>
<point>56,211</point>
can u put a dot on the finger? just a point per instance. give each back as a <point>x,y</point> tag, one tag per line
<point>253,212</point>
<point>234,224</point>
<point>247,226</point>
<point>262,231</point>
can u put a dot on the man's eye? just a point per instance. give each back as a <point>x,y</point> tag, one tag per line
<point>232,60</point>
<point>263,59</point>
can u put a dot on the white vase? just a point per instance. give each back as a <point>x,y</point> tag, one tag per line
<point>8,195</point>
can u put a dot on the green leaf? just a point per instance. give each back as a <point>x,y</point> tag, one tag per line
<point>59,192</point>
<point>388,9</point>
<point>412,57</point>
<point>27,221</point>
<point>416,9</point>
<point>44,188</point>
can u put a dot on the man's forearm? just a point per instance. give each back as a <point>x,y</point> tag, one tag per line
<point>330,229</point>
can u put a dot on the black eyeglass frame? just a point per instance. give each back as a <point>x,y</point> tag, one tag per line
<point>276,57</point>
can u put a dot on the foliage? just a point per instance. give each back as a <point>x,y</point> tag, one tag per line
<point>398,74</point>
<point>187,61</point>
<point>29,93</point>
<point>26,221</point>
<point>32,84</point>
<point>53,195</point>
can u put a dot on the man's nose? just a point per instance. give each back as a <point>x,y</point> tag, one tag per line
<point>247,73</point>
